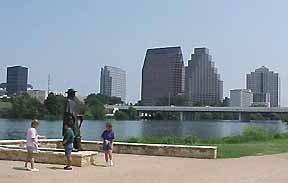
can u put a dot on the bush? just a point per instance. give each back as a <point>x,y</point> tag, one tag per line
<point>120,115</point>
<point>257,134</point>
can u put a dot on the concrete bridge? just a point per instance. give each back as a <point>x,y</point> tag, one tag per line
<point>186,112</point>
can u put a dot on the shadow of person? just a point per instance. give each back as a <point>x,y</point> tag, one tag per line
<point>20,168</point>
<point>103,166</point>
<point>55,168</point>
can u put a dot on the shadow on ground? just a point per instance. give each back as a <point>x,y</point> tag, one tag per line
<point>55,168</point>
<point>20,168</point>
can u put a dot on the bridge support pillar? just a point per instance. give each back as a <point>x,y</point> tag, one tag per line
<point>189,116</point>
<point>181,116</point>
<point>243,116</point>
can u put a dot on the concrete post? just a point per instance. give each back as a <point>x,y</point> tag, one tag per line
<point>244,117</point>
<point>181,116</point>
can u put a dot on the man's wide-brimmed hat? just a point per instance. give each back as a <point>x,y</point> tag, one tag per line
<point>70,90</point>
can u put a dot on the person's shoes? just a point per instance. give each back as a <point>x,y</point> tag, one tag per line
<point>33,170</point>
<point>28,169</point>
<point>67,168</point>
<point>111,163</point>
<point>107,164</point>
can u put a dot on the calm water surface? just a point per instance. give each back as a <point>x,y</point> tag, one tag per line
<point>91,130</point>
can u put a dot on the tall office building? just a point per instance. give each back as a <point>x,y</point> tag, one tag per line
<point>17,78</point>
<point>113,82</point>
<point>241,98</point>
<point>162,74</point>
<point>264,83</point>
<point>202,82</point>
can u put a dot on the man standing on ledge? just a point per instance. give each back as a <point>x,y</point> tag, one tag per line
<point>71,117</point>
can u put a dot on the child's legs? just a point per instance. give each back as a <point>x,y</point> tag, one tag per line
<point>69,160</point>
<point>106,156</point>
<point>31,159</point>
<point>28,158</point>
<point>68,153</point>
<point>110,154</point>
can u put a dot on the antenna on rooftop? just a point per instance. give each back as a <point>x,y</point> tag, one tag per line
<point>49,83</point>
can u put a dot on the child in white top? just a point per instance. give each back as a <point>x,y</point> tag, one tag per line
<point>32,145</point>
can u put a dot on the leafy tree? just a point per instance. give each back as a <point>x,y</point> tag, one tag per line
<point>120,115</point>
<point>24,106</point>
<point>95,108</point>
<point>55,105</point>
<point>132,113</point>
<point>103,99</point>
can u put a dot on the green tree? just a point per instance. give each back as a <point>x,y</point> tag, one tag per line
<point>103,99</point>
<point>120,115</point>
<point>94,107</point>
<point>132,113</point>
<point>55,105</point>
<point>24,106</point>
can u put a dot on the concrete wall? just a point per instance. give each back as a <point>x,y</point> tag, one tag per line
<point>80,159</point>
<point>203,152</point>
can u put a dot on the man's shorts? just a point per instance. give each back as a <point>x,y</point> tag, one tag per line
<point>32,149</point>
<point>68,149</point>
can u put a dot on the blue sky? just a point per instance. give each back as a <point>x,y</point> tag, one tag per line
<point>72,40</point>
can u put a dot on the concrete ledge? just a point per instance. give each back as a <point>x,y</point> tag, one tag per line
<point>80,159</point>
<point>201,152</point>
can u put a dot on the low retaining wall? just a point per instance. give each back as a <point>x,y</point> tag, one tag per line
<point>80,159</point>
<point>202,152</point>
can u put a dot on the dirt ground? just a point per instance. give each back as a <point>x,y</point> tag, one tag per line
<point>150,169</point>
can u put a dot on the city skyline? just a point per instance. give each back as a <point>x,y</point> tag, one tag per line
<point>47,37</point>
<point>185,67</point>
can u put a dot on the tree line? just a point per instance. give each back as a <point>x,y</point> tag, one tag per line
<point>92,108</point>
<point>26,107</point>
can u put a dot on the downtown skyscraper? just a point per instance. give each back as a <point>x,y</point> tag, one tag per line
<point>265,86</point>
<point>113,82</point>
<point>17,80</point>
<point>162,74</point>
<point>202,81</point>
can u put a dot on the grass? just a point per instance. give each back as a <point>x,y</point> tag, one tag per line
<point>4,106</point>
<point>252,149</point>
<point>253,142</point>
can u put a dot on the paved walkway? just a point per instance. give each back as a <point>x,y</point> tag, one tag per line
<point>148,169</point>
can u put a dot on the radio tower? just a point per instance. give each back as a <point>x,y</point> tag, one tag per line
<point>49,83</point>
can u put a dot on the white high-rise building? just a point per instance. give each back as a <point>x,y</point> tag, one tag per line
<point>202,80</point>
<point>264,83</point>
<point>113,82</point>
<point>241,98</point>
<point>40,95</point>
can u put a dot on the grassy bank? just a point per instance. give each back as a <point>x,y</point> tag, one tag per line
<point>252,142</point>
<point>5,106</point>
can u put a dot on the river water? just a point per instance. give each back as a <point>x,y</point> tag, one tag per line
<point>91,130</point>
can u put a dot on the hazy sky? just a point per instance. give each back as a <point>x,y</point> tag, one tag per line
<point>72,40</point>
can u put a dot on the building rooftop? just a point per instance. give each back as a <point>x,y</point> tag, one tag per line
<point>164,50</point>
